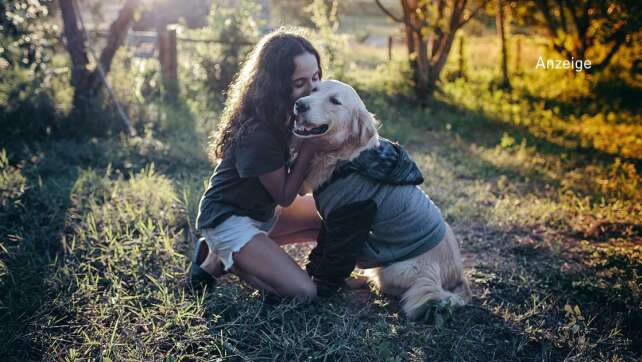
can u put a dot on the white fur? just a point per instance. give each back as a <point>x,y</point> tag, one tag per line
<point>352,128</point>
<point>438,274</point>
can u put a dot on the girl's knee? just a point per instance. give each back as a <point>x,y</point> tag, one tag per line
<point>310,291</point>
<point>305,291</point>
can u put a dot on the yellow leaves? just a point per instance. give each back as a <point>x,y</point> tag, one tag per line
<point>573,312</point>
<point>611,9</point>
<point>621,180</point>
<point>575,330</point>
<point>606,135</point>
<point>506,140</point>
<point>611,117</point>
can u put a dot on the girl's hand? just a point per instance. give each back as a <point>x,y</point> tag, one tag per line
<point>295,144</point>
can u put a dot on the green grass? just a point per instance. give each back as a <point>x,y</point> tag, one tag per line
<point>95,237</point>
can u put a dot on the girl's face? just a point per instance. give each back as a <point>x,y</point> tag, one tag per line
<point>306,75</point>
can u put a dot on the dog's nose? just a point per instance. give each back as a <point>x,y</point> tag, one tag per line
<point>301,107</point>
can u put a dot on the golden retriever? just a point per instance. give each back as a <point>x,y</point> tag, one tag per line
<point>335,114</point>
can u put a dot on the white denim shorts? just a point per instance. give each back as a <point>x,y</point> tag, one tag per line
<point>232,234</point>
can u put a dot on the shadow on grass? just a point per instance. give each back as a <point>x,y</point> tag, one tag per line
<point>532,283</point>
<point>30,232</point>
<point>32,229</point>
<point>530,271</point>
<point>476,126</point>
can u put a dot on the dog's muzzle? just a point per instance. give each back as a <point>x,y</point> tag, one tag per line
<point>300,107</point>
<point>301,129</point>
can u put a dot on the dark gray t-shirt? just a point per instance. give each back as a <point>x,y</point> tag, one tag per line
<point>234,188</point>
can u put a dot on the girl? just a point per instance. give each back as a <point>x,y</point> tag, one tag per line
<point>251,205</point>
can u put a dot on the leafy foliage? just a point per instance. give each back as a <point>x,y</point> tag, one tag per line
<point>28,38</point>
<point>332,45</point>
<point>587,29</point>
<point>238,28</point>
<point>27,46</point>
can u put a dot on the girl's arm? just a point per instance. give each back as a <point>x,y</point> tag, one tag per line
<point>284,187</point>
<point>305,189</point>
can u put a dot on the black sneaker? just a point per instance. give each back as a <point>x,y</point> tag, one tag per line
<point>198,277</point>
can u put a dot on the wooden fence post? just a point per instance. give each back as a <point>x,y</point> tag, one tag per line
<point>168,61</point>
<point>462,58</point>
<point>518,55</point>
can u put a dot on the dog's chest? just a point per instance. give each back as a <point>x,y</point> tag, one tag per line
<point>320,173</point>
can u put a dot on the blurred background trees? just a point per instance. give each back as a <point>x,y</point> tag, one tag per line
<point>86,82</point>
<point>430,29</point>
<point>27,45</point>
<point>552,163</point>
<point>590,29</point>
<point>43,47</point>
<point>27,35</point>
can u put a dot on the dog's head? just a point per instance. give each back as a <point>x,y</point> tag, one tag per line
<point>335,113</point>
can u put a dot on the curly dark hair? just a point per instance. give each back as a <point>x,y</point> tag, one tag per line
<point>261,91</point>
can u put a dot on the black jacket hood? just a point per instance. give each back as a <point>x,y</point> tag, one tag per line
<point>389,163</point>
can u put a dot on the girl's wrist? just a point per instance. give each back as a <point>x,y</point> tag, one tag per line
<point>306,151</point>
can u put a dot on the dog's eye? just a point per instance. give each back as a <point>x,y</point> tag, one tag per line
<point>335,100</point>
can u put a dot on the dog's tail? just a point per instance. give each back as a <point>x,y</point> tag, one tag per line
<point>427,288</point>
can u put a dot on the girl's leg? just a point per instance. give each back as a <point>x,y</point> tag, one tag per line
<point>252,280</point>
<point>215,268</point>
<point>212,265</point>
<point>264,265</point>
<point>262,261</point>
<point>299,222</point>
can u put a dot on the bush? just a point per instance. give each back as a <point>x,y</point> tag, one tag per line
<point>329,42</point>
<point>238,28</point>
<point>27,111</point>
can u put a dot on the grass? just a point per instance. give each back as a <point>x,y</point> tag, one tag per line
<point>95,238</point>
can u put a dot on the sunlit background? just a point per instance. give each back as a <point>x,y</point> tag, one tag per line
<point>105,112</point>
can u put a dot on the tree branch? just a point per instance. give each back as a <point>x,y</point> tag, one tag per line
<point>561,5</point>
<point>550,21</point>
<point>75,43</point>
<point>472,15</point>
<point>387,12</point>
<point>607,59</point>
<point>117,33</point>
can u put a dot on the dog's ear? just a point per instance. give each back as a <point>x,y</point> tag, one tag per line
<point>364,126</point>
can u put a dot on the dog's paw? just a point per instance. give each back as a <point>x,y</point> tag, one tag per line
<point>438,312</point>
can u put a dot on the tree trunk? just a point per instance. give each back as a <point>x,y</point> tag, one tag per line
<point>87,83</point>
<point>168,61</point>
<point>501,32</point>
<point>80,74</point>
<point>461,73</point>
<point>442,56</point>
<point>434,39</point>
<point>518,56</point>
<point>424,68</point>
<point>429,37</point>
<point>117,33</point>
<point>410,43</point>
